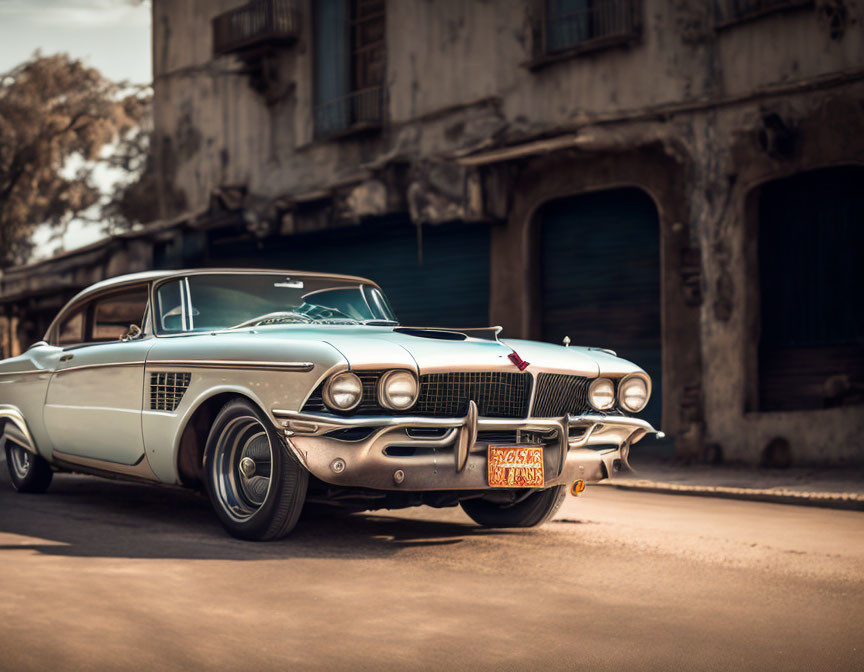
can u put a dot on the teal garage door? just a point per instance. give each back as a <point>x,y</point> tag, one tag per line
<point>449,288</point>
<point>600,277</point>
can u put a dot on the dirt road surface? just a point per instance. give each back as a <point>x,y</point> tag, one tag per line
<point>101,575</point>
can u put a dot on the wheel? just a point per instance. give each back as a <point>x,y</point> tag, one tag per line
<point>534,510</point>
<point>255,483</point>
<point>28,472</point>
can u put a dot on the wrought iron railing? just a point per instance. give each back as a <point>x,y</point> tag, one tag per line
<point>255,24</point>
<point>358,109</point>
<point>598,20</point>
<point>727,12</point>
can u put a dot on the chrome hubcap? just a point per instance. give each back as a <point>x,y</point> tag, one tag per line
<point>247,467</point>
<point>20,462</point>
<point>241,468</point>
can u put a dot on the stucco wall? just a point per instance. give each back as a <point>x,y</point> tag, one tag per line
<point>679,113</point>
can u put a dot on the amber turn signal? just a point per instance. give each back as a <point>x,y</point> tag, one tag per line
<point>577,487</point>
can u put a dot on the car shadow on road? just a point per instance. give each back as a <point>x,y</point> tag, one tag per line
<point>81,516</point>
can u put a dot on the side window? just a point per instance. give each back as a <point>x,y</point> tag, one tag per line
<point>71,330</point>
<point>169,303</point>
<point>113,314</point>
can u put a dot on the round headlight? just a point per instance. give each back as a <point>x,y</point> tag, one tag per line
<point>397,390</point>
<point>601,394</point>
<point>633,393</point>
<point>343,391</point>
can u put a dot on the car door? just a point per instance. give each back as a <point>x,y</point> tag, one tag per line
<point>95,396</point>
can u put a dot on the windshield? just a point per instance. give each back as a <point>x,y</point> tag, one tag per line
<point>223,301</point>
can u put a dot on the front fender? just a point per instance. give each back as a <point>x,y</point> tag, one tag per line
<point>15,428</point>
<point>267,389</point>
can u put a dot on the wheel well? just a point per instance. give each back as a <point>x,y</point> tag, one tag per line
<point>190,457</point>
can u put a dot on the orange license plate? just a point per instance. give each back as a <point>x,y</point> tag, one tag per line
<point>516,467</point>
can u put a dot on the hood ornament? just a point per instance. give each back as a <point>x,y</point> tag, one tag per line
<point>520,363</point>
<point>566,341</point>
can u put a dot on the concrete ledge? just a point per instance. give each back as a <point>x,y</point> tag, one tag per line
<point>831,500</point>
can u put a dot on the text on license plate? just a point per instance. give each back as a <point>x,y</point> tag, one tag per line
<point>515,466</point>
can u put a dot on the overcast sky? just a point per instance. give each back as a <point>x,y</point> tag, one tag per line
<point>111,35</point>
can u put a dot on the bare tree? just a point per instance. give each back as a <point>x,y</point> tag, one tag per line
<point>59,120</point>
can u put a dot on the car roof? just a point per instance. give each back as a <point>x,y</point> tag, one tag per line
<point>149,276</point>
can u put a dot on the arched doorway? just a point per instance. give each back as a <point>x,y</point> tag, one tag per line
<point>599,278</point>
<point>810,253</point>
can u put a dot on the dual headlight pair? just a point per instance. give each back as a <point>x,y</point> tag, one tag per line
<point>397,390</point>
<point>633,393</point>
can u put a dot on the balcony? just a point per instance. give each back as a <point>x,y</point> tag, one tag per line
<point>730,12</point>
<point>260,23</point>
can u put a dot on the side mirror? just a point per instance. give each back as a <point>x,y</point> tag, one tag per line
<point>133,332</point>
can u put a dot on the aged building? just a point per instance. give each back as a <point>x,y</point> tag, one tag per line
<point>679,180</point>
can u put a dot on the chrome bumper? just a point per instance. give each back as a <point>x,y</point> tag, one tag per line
<point>459,460</point>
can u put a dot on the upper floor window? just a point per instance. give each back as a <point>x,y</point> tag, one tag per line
<point>350,59</point>
<point>571,24</point>
<point>730,12</point>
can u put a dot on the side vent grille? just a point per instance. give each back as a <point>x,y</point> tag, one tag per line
<point>167,389</point>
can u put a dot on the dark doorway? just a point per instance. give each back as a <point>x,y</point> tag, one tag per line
<point>811,280</point>
<point>600,278</point>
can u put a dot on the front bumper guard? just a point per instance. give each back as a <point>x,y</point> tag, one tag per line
<point>456,461</point>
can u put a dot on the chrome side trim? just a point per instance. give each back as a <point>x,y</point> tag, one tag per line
<point>141,469</point>
<point>25,373</point>
<point>14,416</point>
<point>103,365</point>
<point>233,364</point>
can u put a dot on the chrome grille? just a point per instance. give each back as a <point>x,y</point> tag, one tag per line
<point>497,395</point>
<point>369,402</point>
<point>559,393</point>
<point>167,389</point>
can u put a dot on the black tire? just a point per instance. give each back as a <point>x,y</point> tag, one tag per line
<point>28,472</point>
<point>258,503</point>
<point>534,510</point>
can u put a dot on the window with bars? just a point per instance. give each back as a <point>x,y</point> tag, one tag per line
<point>571,24</point>
<point>350,61</point>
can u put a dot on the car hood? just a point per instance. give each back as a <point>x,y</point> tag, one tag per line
<point>367,347</point>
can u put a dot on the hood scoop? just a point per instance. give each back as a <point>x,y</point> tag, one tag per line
<point>487,333</point>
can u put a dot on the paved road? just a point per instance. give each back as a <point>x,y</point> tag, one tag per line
<point>105,575</point>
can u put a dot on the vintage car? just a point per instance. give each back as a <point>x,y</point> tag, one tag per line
<point>269,389</point>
